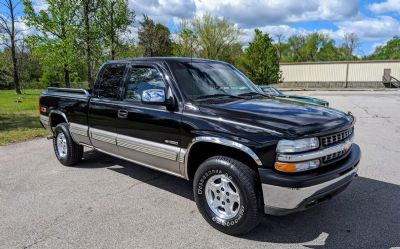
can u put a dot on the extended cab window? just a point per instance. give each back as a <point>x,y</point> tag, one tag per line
<point>110,80</point>
<point>142,78</point>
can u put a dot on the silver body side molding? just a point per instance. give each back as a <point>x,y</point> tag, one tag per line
<point>140,163</point>
<point>103,136</point>
<point>152,148</point>
<point>163,157</point>
<point>79,133</point>
<point>45,121</point>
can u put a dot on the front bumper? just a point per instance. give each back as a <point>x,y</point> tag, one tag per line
<point>284,193</point>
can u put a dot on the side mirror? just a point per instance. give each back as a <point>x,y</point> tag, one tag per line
<point>153,96</point>
<point>159,97</point>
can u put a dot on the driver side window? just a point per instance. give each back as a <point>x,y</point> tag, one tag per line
<point>142,78</point>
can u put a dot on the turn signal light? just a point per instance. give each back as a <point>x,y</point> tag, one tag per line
<point>296,167</point>
<point>285,167</point>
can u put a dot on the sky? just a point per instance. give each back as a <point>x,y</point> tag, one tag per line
<point>374,21</point>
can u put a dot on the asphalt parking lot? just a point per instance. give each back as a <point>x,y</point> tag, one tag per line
<point>109,203</point>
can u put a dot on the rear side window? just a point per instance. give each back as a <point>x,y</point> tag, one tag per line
<point>142,78</point>
<point>108,84</point>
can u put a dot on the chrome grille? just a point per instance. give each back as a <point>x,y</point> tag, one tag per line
<point>334,156</point>
<point>337,137</point>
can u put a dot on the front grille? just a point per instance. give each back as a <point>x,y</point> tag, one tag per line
<point>333,157</point>
<point>336,138</point>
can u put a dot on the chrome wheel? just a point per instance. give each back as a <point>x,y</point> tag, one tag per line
<point>222,196</point>
<point>61,144</point>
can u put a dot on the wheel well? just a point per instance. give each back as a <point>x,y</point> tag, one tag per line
<point>200,151</point>
<point>56,119</point>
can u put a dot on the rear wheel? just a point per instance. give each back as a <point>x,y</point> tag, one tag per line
<point>67,151</point>
<point>227,194</point>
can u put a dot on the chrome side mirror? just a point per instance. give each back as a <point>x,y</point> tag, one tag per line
<point>153,96</point>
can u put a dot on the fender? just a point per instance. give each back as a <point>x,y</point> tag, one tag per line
<point>221,141</point>
<point>58,113</point>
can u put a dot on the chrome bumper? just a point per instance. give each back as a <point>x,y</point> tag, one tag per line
<point>284,193</point>
<point>282,199</point>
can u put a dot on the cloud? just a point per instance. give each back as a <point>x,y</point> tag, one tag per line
<point>376,28</point>
<point>385,7</point>
<point>252,13</point>
<point>40,5</point>
<point>284,31</point>
<point>249,13</point>
<point>164,10</point>
<point>371,31</point>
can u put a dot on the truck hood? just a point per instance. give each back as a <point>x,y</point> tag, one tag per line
<point>307,99</point>
<point>287,117</point>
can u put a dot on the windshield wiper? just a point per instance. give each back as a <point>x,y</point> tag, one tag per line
<point>254,94</point>
<point>218,95</point>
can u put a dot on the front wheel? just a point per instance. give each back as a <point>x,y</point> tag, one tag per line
<point>227,194</point>
<point>67,151</point>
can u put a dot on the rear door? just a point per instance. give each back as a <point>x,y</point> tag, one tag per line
<point>148,134</point>
<point>104,106</point>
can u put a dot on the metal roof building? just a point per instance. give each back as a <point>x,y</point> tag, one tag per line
<point>340,73</point>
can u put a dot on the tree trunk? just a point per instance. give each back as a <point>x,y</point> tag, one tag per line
<point>13,50</point>
<point>112,32</point>
<point>15,69</point>
<point>66,77</point>
<point>88,40</point>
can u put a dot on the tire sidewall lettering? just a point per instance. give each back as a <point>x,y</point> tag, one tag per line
<point>200,191</point>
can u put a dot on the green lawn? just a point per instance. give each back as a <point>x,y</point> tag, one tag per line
<point>19,116</point>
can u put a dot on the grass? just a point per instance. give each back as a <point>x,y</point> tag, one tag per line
<point>19,116</point>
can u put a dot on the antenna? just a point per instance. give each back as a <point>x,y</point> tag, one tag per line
<point>191,50</point>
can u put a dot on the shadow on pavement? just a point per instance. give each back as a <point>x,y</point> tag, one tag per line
<point>176,185</point>
<point>366,215</point>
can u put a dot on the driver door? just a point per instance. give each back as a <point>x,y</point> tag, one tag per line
<point>148,134</point>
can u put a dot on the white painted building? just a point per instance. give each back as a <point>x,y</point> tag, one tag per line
<point>338,74</point>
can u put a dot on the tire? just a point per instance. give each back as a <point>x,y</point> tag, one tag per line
<point>237,215</point>
<point>67,151</point>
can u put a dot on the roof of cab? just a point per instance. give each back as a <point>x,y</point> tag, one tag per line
<point>164,59</point>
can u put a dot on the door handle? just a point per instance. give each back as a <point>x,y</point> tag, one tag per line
<point>122,113</point>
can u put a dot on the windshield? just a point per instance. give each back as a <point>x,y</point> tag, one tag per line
<point>202,80</point>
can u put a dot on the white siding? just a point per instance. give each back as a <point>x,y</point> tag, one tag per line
<point>372,71</point>
<point>366,71</point>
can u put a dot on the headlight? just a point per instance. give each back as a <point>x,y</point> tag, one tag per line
<point>297,167</point>
<point>293,146</point>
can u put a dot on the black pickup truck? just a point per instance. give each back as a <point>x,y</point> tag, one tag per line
<point>247,153</point>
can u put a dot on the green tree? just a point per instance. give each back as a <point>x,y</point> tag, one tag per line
<point>54,42</point>
<point>186,42</point>
<point>5,69</point>
<point>314,47</point>
<point>9,32</point>
<point>215,36</point>
<point>260,60</point>
<point>154,38</point>
<point>389,51</point>
<point>116,19</point>
<point>90,34</point>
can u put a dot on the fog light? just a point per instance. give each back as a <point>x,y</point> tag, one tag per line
<point>297,167</point>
